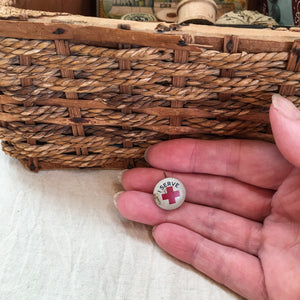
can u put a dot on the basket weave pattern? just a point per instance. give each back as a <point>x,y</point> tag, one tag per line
<point>72,104</point>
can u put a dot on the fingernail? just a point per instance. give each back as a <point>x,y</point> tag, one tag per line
<point>116,197</point>
<point>120,175</point>
<point>153,230</point>
<point>285,107</point>
<point>146,154</point>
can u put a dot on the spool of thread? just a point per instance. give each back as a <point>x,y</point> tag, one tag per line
<point>197,11</point>
<point>168,15</point>
<point>141,17</point>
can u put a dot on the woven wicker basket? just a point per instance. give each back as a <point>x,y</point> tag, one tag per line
<point>79,92</point>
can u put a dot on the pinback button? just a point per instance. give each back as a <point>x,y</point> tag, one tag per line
<point>169,193</point>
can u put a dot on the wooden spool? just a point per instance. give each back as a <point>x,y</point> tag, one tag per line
<point>197,11</point>
<point>168,15</point>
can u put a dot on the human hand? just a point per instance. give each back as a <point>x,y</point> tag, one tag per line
<point>240,223</point>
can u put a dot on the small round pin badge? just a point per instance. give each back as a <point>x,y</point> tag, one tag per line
<point>169,193</point>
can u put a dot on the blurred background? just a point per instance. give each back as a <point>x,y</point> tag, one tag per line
<point>285,12</point>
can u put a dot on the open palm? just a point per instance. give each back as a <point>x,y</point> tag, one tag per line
<point>240,223</point>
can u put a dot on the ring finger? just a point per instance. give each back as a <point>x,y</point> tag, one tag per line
<point>220,226</point>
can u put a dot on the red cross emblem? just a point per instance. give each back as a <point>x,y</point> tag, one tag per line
<point>170,195</point>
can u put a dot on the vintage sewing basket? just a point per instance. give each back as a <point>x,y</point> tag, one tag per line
<point>83,92</point>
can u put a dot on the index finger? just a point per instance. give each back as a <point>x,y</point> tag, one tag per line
<point>254,162</point>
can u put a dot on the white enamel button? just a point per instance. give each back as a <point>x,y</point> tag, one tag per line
<point>169,193</point>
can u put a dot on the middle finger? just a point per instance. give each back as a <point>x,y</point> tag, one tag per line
<point>217,225</point>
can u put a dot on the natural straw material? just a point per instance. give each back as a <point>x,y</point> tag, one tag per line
<point>7,2</point>
<point>81,92</point>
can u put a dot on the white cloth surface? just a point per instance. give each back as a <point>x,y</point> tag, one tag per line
<point>61,237</point>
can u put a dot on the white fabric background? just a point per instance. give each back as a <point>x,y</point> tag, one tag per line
<point>62,238</point>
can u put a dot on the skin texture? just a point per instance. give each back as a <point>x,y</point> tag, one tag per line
<point>240,223</point>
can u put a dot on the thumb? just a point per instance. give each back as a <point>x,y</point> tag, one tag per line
<point>285,122</point>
